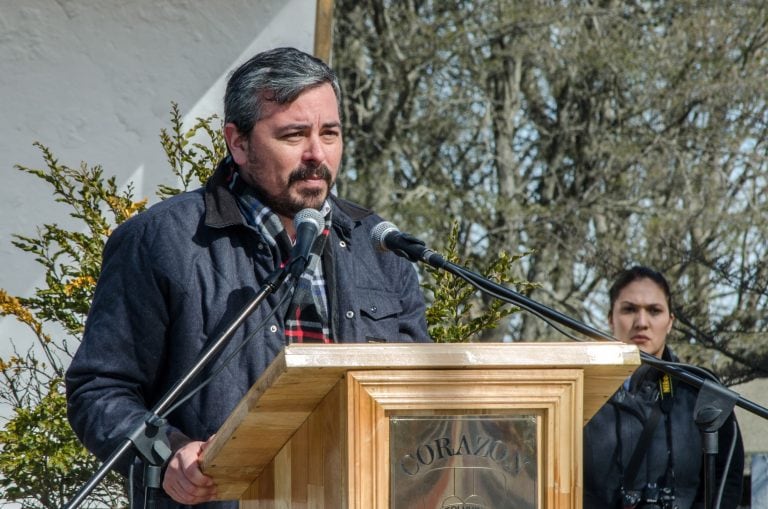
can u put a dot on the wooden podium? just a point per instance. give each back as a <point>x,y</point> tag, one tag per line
<point>316,430</point>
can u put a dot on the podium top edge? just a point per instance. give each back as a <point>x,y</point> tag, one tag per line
<point>461,355</point>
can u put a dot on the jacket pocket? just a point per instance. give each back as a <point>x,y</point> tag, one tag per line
<point>379,313</point>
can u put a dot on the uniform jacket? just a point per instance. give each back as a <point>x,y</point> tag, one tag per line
<point>175,277</point>
<point>623,418</point>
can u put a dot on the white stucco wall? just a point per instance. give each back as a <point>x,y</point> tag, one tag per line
<point>753,429</point>
<point>94,80</point>
<point>753,426</point>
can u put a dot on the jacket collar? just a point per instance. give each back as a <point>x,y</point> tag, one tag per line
<point>221,209</point>
<point>646,373</point>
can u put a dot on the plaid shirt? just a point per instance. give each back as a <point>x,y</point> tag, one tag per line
<point>307,314</point>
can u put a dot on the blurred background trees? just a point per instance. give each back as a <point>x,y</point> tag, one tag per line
<point>592,134</point>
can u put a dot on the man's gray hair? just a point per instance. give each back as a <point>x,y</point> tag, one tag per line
<point>278,75</point>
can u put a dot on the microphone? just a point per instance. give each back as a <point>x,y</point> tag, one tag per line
<point>309,223</point>
<point>385,236</point>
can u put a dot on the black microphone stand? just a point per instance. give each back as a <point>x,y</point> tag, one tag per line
<point>714,404</point>
<point>150,438</point>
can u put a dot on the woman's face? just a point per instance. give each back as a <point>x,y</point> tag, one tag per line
<point>641,316</point>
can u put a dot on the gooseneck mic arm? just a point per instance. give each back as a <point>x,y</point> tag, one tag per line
<point>386,237</point>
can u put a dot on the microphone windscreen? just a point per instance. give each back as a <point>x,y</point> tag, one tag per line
<point>380,231</point>
<point>309,215</point>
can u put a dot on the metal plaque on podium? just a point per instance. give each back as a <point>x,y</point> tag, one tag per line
<point>463,461</point>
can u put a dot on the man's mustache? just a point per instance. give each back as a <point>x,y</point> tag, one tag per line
<point>322,171</point>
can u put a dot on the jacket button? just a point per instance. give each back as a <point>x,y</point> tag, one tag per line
<point>342,243</point>
<point>273,328</point>
<point>373,309</point>
<point>350,314</point>
<point>260,247</point>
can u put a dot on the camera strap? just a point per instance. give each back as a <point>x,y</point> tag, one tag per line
<point>642,446</point>
<point>664,405</point>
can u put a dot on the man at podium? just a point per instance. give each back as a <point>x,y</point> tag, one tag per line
<point>176,276</point>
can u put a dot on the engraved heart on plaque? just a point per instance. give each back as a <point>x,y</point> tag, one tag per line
<point>472,502</point>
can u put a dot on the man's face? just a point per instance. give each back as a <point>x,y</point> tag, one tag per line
<point>293,152</point>
<point>641,316</point>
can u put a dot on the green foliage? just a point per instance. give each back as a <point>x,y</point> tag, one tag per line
<point>72,258</point>
<point>456,315</point>
<point>191,161</point>
<point>43,463</point>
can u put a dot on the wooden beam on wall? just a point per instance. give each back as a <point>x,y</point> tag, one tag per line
<point>324,30</point>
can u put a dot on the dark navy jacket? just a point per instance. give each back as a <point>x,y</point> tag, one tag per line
<point>175,277</point>
<point>623,417</point>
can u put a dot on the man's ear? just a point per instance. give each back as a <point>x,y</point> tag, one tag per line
<point>237,143</point>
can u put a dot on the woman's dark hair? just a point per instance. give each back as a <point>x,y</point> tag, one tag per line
<point>631,275</point>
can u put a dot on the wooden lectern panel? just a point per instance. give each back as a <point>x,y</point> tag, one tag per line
<point>554,396</point>
<point>302,401</point>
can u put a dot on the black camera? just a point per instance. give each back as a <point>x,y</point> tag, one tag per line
<point>650,497</point>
